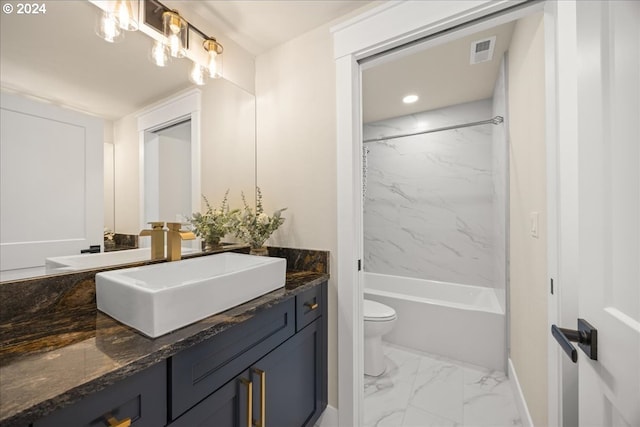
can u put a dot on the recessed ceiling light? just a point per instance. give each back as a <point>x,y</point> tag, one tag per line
<point>410,99</point>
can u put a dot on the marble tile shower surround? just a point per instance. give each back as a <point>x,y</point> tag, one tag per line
<point>429,200</point>
<point>424,390</point>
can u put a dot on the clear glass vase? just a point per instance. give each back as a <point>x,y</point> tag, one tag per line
<point>261,251</point>
<point>211,243</point>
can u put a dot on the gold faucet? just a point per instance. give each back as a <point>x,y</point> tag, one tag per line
<point>175,236</point>
<point>157,239</point>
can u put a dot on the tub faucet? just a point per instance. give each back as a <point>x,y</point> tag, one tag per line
<point>157,239</point>
<point>175,236</point>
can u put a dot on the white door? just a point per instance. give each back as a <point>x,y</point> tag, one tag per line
<point>51,182</point>
<point>608,194</point>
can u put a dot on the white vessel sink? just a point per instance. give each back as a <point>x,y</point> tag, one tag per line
<point>160,298</point>
<point>102,259</point>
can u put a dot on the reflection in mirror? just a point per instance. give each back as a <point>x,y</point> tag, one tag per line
<point>62,86</point>
<point>167,172</point>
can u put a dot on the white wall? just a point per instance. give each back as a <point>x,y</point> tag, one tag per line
<point>528,255</point>
<point>126,180</point>
<point>295,89</point>
<point>238,65</point>
<point>228,143</point>
<point>227,120</point>
<point>109,162</point>
<point>428,208</point>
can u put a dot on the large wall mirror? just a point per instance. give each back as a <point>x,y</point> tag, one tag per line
<point>73,153</point>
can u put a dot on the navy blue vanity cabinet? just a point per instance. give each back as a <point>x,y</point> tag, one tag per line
<point>227,407</point>
<point>197,372</point>
<point>141,398</point>
<point>288,382</point>
<point>279,382</point>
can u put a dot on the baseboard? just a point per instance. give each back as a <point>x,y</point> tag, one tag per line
<point>521,403</point>
<point>329,417</point>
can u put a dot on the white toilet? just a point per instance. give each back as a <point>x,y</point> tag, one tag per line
<point>378,320</point>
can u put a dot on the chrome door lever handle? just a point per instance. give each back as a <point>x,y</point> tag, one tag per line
<point>586,336</point>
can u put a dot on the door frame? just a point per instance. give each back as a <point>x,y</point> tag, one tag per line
<point>393,24</point>
<point>562,192</point>
<point>176,109</point>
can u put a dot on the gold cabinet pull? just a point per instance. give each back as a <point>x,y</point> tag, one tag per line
<point>311,305</point>
<point>249,385</point>
<point>263,390</point>
<point>113,422</point>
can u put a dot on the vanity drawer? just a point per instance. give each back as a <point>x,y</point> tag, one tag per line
<point>309,306</point>
<point>199,371</point>
<point>141,398</point>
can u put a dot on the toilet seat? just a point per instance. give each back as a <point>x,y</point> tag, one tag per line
<point>377,312</point>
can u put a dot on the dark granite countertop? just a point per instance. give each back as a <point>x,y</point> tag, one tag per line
<point>52,360</point>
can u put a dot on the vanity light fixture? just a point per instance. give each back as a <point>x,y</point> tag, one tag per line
<point>179,37</point>
<point>176,33</point>
<point>175,29</point>
<point>214,63</point>
<point>113,20</point>
<point>410,99</point>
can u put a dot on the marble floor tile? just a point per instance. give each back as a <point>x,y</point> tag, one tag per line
<point>390,419</point>
<point>425,390</point>
<point>439,389</point>
<point>415,417</point>
<point>488,399</point>
<point>386,405</point>
<point>387,396</point>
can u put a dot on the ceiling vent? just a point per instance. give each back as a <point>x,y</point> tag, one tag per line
<point>482,50</point>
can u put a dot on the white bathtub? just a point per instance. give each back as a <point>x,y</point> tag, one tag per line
<point>462,322</point>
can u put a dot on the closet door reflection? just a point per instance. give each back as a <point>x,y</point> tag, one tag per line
<point>52,190</point>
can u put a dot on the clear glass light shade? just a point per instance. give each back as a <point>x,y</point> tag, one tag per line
<point>108,29</point>
<point>214,57</point>
<point>159,54</point>
<point>176,48</point>
<point>214,65</point>
<point>126,18</point>
<point>198,74</point>
<point>174,28</point>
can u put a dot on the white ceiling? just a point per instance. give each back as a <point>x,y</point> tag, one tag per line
<point>260,25</point>
<point>440,76</point>
<point>58,57</point>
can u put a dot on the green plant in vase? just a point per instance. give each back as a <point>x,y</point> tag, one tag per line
<point>214,224</point>
<point>255,227</point>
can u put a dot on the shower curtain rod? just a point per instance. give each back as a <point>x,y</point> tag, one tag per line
<point>495,120</point>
